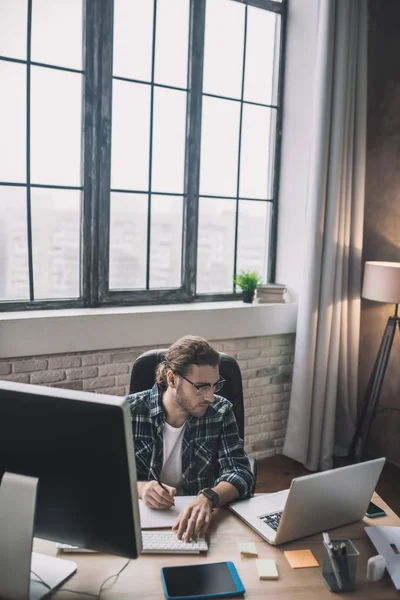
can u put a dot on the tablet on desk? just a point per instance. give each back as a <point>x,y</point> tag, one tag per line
<point>208,580</point>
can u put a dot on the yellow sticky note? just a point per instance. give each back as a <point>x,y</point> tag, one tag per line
<point>248,548</point>
<point>266,568</point>
<point>299,559</point>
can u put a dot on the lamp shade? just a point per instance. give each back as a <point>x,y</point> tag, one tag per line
<point>382,282</point>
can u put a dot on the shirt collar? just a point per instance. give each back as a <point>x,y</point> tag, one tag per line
<point>156,401</point>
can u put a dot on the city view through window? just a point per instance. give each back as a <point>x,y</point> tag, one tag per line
<point>190,156</point>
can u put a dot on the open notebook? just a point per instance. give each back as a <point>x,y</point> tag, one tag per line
<point>151,518</point>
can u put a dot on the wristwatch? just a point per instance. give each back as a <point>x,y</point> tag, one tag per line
<point>210,495</point>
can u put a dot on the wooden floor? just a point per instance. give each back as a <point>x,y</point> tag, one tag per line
<point>276,473</point>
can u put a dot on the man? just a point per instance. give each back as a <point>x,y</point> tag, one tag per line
<point>186,438</point>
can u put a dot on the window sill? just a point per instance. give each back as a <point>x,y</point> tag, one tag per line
<point>36,333</point>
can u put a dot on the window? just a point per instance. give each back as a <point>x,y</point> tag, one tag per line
<point>139,149</point>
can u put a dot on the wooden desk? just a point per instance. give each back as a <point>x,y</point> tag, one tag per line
<point>141,579</point>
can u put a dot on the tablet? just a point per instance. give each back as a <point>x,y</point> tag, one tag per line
<point>207,580</point>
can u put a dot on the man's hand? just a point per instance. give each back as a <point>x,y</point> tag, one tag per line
<point>155,496</point>
<point>194,520</point>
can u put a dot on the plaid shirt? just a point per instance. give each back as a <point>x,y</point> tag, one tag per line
<point>212,450</point>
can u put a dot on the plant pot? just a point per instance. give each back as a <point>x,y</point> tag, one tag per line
<point>248,296</point>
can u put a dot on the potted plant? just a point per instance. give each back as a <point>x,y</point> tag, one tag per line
<point>248,282</point>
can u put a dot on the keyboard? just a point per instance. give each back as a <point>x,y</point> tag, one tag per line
<point>272,519</point>
<point>166,542</point>
<point>162,541</point>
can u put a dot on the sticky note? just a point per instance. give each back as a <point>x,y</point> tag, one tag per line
<point>266,568</point>
<point>299,559</point>
<point>248,548</point>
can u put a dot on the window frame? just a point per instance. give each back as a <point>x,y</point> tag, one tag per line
<point>96,165</point>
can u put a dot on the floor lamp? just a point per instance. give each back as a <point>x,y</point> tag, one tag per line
<point>382,284</point>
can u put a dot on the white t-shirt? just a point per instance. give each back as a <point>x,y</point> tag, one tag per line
<point>171,472</point>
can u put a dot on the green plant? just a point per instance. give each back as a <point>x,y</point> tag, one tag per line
<point>247,280</point>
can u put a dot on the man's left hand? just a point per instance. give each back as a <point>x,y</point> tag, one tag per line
<point>194,520</point>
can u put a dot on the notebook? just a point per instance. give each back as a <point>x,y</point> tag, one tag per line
<point>313,503</point>
<point>152,518</point>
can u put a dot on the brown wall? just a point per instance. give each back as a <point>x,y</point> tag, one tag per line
<point>382,212</point>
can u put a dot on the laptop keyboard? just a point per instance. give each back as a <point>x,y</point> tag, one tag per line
<point>272,519</point>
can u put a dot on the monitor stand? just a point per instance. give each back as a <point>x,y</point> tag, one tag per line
<point>20,568</point>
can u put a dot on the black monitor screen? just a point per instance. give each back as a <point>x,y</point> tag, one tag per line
<point>79,445</point>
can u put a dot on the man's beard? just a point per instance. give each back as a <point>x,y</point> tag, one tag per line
<point>197,411</point>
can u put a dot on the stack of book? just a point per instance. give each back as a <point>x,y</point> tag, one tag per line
<point>271,293</point>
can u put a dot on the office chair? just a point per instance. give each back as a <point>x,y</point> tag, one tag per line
<point>144,373</point>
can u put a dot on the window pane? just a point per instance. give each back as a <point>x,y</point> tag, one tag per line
<point>13,28</point>
<point>254,158</point>
<point>133,38</point>
<point>219,147</point>
<point>223,49</point>
<point>216,244</point>
<point>56,124</point>
<point>56,217</point>
<point>253,236</point>
<point>260,44</point>
<point>169,128</point>
<point>172,42</point>
<point>128,240</point>
<point>12,122</point>
<point>166,241</point>
<point>130,136</point>
<point>57,32</point>
<point>14,271</point>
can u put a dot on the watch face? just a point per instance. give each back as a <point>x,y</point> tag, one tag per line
<point>211,495</point>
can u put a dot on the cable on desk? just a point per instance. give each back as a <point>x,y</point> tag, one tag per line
<point>101,589</point>
<point>76,592</point>
<point>111,576</point>
<point>42,581</point>
<point>63,590</point>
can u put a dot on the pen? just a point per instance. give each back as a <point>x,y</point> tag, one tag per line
<point>165,489</point>
<point>344,565</point>
<point>333,550</point>
<point>328,542</point>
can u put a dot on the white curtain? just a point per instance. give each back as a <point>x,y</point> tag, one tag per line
<point>322,411</point>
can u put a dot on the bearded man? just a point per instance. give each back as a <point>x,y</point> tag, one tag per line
<point>186,438</point>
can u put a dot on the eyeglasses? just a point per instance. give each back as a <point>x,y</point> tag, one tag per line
<point>203,388</point>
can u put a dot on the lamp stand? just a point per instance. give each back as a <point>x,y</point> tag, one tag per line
<point>371,398</point>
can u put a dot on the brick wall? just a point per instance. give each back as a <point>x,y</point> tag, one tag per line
<point>266,364</point>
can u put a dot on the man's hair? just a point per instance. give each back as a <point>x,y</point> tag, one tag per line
<point>188,350</point>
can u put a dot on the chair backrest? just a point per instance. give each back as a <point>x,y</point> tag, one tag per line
<point>143,378</point>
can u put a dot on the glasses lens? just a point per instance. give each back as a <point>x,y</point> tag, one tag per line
<point>218,385</point>
<point>203,389</point>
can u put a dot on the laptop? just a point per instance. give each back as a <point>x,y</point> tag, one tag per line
<point>313,503</point>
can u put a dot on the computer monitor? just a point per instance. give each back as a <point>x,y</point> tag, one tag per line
<point>68,474</point>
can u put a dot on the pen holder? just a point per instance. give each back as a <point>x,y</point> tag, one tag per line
<point>340,565</point>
